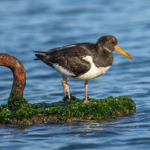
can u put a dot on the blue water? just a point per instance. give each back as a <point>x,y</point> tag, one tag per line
<point>27,26</point>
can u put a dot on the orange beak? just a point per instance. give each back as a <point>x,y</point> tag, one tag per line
<point>117,48</point>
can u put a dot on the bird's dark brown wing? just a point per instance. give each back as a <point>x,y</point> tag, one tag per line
<point>69,57</point>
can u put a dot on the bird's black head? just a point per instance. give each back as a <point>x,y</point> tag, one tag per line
<point>109,43</point>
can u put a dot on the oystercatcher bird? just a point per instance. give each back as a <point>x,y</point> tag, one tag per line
<point>82,61</point>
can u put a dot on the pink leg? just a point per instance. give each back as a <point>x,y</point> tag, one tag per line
<point>86,87</point>
<point>66,87</point>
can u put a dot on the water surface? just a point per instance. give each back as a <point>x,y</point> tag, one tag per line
<point>28,26</point>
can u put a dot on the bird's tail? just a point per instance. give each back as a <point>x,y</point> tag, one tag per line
<point>39,57</point>
<point>42,57</point>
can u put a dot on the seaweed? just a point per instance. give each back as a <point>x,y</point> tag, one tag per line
<point>67,110</point>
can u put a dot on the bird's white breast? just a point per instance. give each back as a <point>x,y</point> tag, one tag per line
<point>94,71</point>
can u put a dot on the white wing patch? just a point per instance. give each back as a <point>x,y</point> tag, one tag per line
<point>63,70</point>
<point>94,72</point>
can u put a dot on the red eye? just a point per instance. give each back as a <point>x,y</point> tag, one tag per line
<point>110,41</point>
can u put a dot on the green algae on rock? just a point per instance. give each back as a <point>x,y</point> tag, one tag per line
<point>68,111</point>
<point>16,100</point>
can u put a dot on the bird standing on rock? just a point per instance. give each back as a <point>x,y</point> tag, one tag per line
<point>82,61</point>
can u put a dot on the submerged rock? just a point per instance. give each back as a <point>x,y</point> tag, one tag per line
<point>68,111</point>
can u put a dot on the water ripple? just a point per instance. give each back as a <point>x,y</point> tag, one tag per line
<point>28,26</point>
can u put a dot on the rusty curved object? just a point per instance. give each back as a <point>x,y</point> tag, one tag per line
<point>19,76</point>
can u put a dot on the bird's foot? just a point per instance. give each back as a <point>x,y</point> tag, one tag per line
<point>66,88</point>
<point>86,101</point>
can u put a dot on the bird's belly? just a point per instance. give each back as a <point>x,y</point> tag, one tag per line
<point>63,71</point>
<point>94,72</point>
